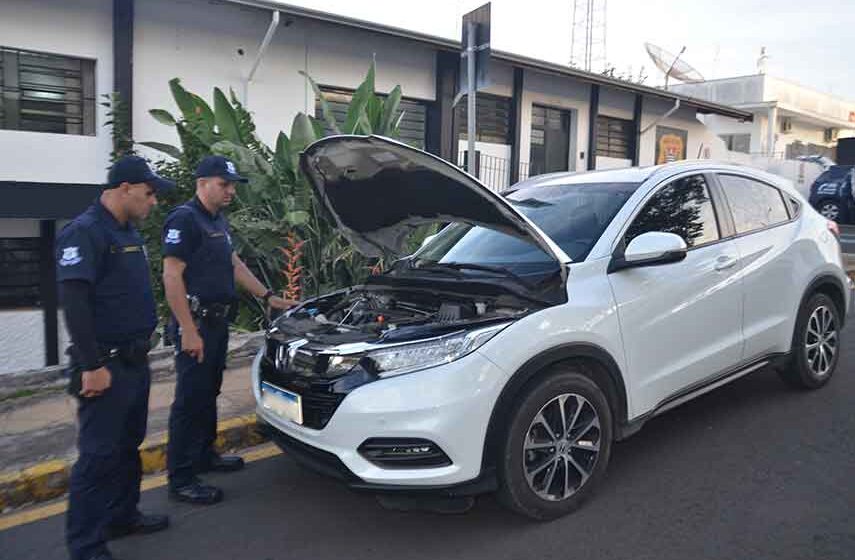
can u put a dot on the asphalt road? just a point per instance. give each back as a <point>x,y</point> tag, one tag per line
<point>752,471</point>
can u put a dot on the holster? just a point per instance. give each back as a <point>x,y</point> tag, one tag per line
<point>131,353</point>
<point>215,312</point>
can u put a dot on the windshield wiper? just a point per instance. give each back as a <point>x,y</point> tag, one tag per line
<point>453,269</point>
<point>429,266</point>
<point>487,268</point>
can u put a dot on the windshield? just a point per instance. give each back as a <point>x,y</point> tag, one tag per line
<point>573,216</point>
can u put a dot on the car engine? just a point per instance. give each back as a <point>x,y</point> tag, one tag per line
<point>366,315</point>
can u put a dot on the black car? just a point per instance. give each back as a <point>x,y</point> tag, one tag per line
<point>831,193</point>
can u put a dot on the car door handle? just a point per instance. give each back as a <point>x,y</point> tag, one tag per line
<point>725,261</point>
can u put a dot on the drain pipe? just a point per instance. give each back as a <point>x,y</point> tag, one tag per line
<point>670,112</point>
<point>271,30</point>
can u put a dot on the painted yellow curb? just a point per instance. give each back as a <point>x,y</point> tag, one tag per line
<point>49,480</point>
<point>37,513</point>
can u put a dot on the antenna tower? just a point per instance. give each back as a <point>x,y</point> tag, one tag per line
<point>588,35</point>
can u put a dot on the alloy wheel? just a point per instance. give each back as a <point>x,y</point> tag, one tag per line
<point>561,447</point>
<point>821,341</point>
<point>830,210</point>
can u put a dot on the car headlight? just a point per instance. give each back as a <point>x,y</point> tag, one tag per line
<point>342,364</point>
<point>405,358</point>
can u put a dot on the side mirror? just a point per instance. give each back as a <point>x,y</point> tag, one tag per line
<point>650,249</point>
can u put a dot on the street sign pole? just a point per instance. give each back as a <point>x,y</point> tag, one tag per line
<point>471,166</point>
<point>474,60</point>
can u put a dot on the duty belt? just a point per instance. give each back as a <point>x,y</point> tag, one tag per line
<point>216,311</point>
<point>133,352</point>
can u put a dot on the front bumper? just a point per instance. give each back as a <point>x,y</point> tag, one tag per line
<point>449,405</point>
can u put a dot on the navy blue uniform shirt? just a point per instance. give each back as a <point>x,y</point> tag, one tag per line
<point>202,241</point>
<point>97,249</point>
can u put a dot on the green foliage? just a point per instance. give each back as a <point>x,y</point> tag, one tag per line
<point>118,120</point>
<point>277,200</point>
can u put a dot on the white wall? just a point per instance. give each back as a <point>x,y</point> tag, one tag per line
<point>808,100</point>
<point>699,137</point>
<point>198,42</point>
<point>22,330</point>
<point>568,94</point>
<point>495,161</point>
<point>801,131</point>
<point>22,345</point>
<point>560,93</point>
<point>82,29</point>
<point>727,91</point>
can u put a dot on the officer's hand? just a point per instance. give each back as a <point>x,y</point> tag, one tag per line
<point>277,302</point>
<point>192,344</point>
<point>95,382</point>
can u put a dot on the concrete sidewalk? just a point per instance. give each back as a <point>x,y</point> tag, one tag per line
<point>44,428</point>
<point>38,432</point>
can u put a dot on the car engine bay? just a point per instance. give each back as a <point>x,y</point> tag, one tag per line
<point>369,314</point>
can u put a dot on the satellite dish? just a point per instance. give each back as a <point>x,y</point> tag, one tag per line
<point>672,66</point>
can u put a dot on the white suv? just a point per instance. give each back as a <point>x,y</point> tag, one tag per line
<point>538,327</point>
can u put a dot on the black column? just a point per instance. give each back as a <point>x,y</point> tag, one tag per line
<point>48,290</point>
<point>516,123</point>
<point>441,138</point>
<point>636,127</point>
<point>592,126</point>
<point>123,55</point>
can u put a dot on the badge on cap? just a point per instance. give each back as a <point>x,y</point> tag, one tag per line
<point>230,167</point>
<point>70,256</point>
<point>173,236</point>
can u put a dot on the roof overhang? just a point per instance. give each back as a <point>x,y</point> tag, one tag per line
<point>800,115</point>
<point>700,105</point>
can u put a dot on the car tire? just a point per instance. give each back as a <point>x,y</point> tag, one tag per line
<point>831,210</point>
<point>579,457</point>
<point>816,344</point>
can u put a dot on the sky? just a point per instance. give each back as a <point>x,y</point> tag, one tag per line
<point>811,42</point>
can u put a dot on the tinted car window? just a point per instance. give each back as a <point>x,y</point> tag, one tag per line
<point>754,205</point>
<point>573,216</point>
<point>684,208</point>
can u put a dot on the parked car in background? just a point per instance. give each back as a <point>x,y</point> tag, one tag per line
<point>831,193</point>
<point>518,344</point>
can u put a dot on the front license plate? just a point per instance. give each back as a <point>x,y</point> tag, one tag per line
<point>284,403</point>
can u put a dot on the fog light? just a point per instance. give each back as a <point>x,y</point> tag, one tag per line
<point>403,453</point>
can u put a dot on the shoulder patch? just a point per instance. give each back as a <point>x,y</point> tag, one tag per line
<point>70,256</point>
<point>173,236</point>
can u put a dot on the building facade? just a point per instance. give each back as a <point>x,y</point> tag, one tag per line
<point>59,58</point>
<point>790,120</point>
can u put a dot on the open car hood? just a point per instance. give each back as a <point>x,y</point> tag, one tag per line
<point>379,190</point>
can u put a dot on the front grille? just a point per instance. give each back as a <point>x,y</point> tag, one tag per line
<point>319,399</point>
<point>319,402</point>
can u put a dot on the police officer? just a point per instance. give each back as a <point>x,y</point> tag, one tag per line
<point>200,270</point>
<point>105,290</point>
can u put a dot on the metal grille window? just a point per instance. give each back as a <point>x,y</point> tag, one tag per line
<point>614,137</point>
<point>411,129</point>
<point>492,119</point>
<point>19,272</point>
<point>46,93</point>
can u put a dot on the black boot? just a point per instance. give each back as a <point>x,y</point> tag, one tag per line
<point>142,524</point>
<point>223,463</point>
<point>196,493</point>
